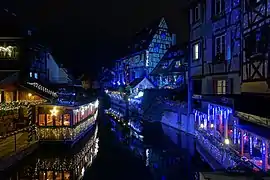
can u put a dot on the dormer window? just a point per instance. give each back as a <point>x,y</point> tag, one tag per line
<point>219,6</point>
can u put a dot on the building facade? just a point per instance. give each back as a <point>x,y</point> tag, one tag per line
<point>148,47</point>
<point>170,72</point>
<point>229,69</point>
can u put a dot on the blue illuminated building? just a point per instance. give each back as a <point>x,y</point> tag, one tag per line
<point>171,70</point>
<point>229,42</point>
<point>147,49</point>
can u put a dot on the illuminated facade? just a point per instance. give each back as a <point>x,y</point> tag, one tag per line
<point>229,65</point>
<point>170,72</point>
<point>64,123</point>
<point>148,47</point>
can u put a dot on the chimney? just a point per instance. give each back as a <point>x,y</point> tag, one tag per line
<point>173,39</point>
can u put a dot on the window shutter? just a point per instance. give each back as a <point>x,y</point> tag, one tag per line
<point>229,89</point>
<point>214,86</point>
<point>199,11</point>
<point>191,16</point>
<point>209,44</point>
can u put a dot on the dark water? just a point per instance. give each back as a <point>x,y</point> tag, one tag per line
<point>111,151</point>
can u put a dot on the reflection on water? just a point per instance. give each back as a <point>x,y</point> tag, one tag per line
<point>169,153</point>
<point>61,164</point>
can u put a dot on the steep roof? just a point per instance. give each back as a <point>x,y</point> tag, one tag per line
<point>135,82</point>
<point>143,38</point>
<point>174,54</point>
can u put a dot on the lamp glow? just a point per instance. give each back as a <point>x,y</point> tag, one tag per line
<point>201,126</point>
<point>54,111</point>
<point>227,141</point>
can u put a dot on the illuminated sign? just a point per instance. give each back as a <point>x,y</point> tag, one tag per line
<point>8,52</point>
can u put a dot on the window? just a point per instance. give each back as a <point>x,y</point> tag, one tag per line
<point>221,86</point>
<point>30,74</point>
<point>36,75</point>
<point>196,51</point>
<point>177,64</point>
<point>220,48</point>
<point>219,6</point>
<point>197,86</point>
<point>196,14</point>
<point>67,120</point>
<point>41,118</point>
<point>49,120</point>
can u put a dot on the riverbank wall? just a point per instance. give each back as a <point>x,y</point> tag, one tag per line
<point>8,162</point>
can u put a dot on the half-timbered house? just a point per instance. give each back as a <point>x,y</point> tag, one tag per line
<point>148,47</point>
<point>170,72</point>
<point>229,54</point>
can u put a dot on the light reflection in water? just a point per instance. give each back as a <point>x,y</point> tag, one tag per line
<point>58,167</point>
<point>173,156</point>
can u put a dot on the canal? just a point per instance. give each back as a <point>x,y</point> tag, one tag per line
<point>112,151</point>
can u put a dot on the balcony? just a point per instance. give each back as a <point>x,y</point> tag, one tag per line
<point>254,104</point>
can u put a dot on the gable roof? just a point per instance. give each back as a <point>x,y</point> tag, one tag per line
<point>135,82</point>
<point>143,38</point>
<point>174,54</point>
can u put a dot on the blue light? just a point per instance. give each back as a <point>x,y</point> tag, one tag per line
<point>118,83</point>
<point>229,53</point>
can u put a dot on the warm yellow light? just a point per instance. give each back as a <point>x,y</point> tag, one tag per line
<point>7,50</point>
<point>226,141</point>
<point>54,111</point>
<point>29,94</point>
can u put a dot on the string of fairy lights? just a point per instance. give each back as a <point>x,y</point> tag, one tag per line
<point>42,88</point>
<point>76,163</point>
<point>66,133</point>
<point>15,105</point>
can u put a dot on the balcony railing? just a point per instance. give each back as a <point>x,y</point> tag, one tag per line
<point>224,154</point>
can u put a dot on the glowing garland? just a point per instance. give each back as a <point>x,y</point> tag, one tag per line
<point>14,105</point>
<point>76,163</point>
<point>44,89</point>
<point>7,50</point>
<point>65,133</point>
<point>86,107</point>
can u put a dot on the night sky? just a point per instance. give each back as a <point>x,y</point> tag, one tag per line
<point>85,35</point>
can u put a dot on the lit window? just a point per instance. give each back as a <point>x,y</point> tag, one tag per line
<point>30,74</point>
<point>196,52</point>
<point>177,64</point>
<point>36,76</point>
<point>41,118</point>
<point>66,120</point>
<point>221,86</point>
